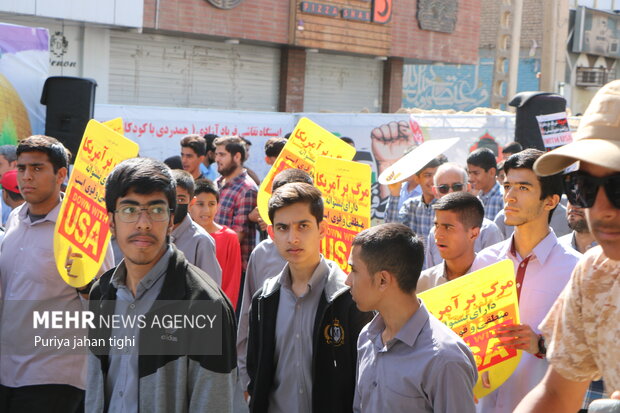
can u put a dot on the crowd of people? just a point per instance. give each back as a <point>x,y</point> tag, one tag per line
<point>296,332</point>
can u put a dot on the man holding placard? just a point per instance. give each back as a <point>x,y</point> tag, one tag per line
<point>582,327</point>
<point>408,361</point>
<point>41,381</point>
<point>417,212</point>
<point>543,267</point>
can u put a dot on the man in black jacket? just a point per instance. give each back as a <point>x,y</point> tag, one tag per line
<point>303,322</point>
<point>185,366</point>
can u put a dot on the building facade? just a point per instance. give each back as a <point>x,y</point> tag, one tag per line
<point>268,55</point>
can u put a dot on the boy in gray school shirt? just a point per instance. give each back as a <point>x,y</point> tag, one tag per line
<point>408,361</point>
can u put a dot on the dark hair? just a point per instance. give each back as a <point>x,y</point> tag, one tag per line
<point>174,162</point>
<point>184,180</point>
<point>274,146</point>
<point>394,248</point>
<point>500,165</point>
<point>290,175</point>
<point>209,138</point>
<point>15,197</point>
<point>196,143</point>
<point>468,207</point>
<point>9,152</point>
<point>482,158</point>
<point>297,192</point>
<point>143,176</point>
<point>549,185</point>
<point>206,186</point>
<point>512,147</point>
<point>348,140</point>
<point>55,151</point>
<point>232,144</point>
<point>434,163</point>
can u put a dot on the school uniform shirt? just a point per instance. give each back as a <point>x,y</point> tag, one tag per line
<point>426,367</point>
<point>546,271</point>
<point>198,247</point>
<point>28,273</point>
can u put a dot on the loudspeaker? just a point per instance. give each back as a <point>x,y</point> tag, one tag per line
<point>529,105</point>
<point>70,105</point>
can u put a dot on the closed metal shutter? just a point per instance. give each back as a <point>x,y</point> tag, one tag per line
<point>149,69</point>
<point>336,83</point>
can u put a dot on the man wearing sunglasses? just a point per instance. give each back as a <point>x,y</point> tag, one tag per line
<point>168,368</point>
<point>582,327</point>
<point>449,178</point>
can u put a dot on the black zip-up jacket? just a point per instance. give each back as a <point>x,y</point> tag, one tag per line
<point>337,325</point>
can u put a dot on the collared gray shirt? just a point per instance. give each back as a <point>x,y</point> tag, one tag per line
<point>121,384</point>
<point>28,271</point>
<point>426,367</point>
<point>489,235</point>
<point>434,276</point>
<point>265,262</point>
<point>198,247</point>
<point>292,384</point>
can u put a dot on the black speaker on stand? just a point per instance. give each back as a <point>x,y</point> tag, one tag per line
<point>529,105</point>
<point>70,103</point>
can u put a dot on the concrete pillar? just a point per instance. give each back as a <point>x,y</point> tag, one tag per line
<point>392,95</point>
<point>292,79</point>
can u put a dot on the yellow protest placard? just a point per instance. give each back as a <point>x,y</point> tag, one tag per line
<point>346,194</point>
<point>307,142</point>
<point>116,125</point>
<point>474,306</point>
<point>82,230</point>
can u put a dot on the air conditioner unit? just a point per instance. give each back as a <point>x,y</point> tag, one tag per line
<point>591,76</point>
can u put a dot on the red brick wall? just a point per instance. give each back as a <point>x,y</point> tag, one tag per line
<point>461,46</point>
<point>265,20</point>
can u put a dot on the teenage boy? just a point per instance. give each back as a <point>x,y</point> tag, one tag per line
<point>265,262</point>
<point>542,266</point>
<point>416,212</point>
<point>303,322</point>
<point>203,210</point>
<point>482,169</point>
<point>458,218</point>
<point>43,380</point>
<point>193,152</point>
<point>141,199</point>
<point>190,238</point>
<point>408,361</point>
<point>450,178</point>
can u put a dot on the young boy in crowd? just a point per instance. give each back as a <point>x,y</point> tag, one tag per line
<point>227,249</point>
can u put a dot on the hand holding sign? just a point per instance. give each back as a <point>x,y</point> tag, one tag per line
<point>73,258</point>
<point>520,337</point>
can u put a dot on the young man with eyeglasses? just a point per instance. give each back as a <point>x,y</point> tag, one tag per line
<point>159,373</point>
<point>449,178</point>
<point>582,327</point>
<point>542,266</point>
